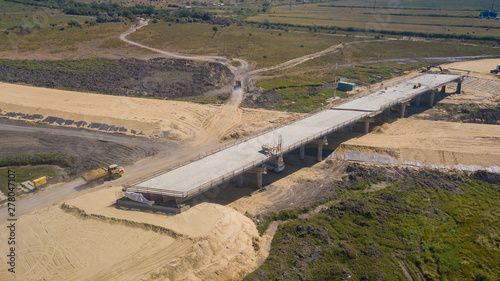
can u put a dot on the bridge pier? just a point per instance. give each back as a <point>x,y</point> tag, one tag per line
<point>417,100</point>
<point>443,90</point>
<point>302,152</point>
<point>240,180</point>
<point>431,100</point>
<point>387,112</point>
<point>320,143</point>
<point>403,109</point>
<point>459,88</point>
<point>367,122</point>
<point>259,180</point>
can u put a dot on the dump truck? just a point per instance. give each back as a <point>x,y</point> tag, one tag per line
<point>98,176</point>
<point>237,84</point>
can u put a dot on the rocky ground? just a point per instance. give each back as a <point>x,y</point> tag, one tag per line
<point>159,77</point>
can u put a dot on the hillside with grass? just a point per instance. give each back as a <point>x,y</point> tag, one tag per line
<point>393,223</point>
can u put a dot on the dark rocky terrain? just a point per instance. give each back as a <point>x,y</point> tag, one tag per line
<point>159,77</point>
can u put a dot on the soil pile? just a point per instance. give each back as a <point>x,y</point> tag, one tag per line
<point>88,238</point>
<point>159,77</point>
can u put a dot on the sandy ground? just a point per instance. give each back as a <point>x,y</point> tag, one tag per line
<point>186,120</point>
<point>480,87</point>
<point>431,142</point>
<point>476,68</point>
<point>207,242</point>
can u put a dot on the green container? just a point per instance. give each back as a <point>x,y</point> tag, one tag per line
<point>346,86</point>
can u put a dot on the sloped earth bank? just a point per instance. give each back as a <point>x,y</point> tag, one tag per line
<point>159,77</point>
<point>422,142</point>
<point>183,121</point>
<point>88,239</point>
<point>391,222</point>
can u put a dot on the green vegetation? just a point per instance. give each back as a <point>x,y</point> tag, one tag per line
<point>71,66</point>
<point>24,173</point>
<point>263,48</point>
<point>434,226</point>
<point>6,6</point>
<point>62,160</point>
<point>54,40</point>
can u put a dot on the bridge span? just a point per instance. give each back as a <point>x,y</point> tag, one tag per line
<point>196,177</point>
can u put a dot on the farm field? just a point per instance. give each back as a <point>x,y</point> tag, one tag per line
<point>383,19</point>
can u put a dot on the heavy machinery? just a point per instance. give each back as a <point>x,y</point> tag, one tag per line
<point>276,164</point>
<point>237,84</point>
<point>98,176</point>
<point>496,70</point>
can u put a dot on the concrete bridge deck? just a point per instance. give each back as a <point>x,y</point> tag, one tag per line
<point>196,177</point>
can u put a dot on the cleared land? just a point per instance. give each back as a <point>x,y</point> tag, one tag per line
<point>206,242</point>
<point>186,120</point>
<point>431,143</point>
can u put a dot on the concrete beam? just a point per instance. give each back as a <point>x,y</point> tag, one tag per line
<point>302,152</point>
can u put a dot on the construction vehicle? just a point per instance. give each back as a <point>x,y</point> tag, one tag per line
<point>98,176</point>
<point>496,70</point>
<point>276,164</point>
<point>36,183</point>
<point>416,86</point>
<point>237,84</point>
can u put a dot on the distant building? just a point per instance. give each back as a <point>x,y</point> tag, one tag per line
<point>187,7</point>
<point>489,15</point>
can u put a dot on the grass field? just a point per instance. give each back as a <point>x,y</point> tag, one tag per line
<point>325,15</point>
<point>429,4</point>
<point>24,173</point>
<point>6,7</point>
<point>435,227</point>
<point>262,47</point>
<point>53,40</point>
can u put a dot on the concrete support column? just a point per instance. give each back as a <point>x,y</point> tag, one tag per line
<point>320,152</point>
<point>431,100</point>
<point>387,112</point>
<point>417,100</point>
<point>367,127</point>
<point>240,180</point>
<point>259,180</point>
<point>443,90</point>
<point>350,128</point>
<point>459,88</point>
<point>302,152</point>
<point>403,108</point>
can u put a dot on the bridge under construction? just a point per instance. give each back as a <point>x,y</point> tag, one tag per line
<point>184,182</point>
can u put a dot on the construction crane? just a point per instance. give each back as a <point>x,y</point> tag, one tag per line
<point>358,69</point>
